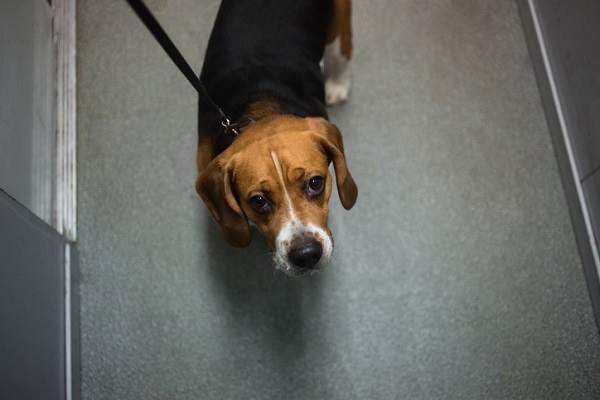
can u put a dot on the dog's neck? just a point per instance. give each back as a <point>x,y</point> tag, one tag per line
<point>266,105</point>
<point>254,109</point>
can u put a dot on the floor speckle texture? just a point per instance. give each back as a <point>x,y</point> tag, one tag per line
<point>455,276</point>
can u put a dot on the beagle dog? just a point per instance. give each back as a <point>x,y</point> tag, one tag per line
<point>262,67</point>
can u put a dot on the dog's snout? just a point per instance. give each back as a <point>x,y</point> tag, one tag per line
<point>306,255</point>
<point>302,248</point>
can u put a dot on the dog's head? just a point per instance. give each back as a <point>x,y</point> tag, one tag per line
<point>276,175</point>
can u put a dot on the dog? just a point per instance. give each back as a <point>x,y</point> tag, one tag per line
<point>263,68</point>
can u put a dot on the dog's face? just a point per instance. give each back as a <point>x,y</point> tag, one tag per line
<point>276,175</point>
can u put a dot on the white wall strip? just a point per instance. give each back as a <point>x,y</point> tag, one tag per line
<point>66,178</point>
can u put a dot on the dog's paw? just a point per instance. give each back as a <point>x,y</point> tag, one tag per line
<point>337,90</point>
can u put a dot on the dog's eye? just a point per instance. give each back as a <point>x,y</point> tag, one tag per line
<point>260,204</point>
<point>316,185</point>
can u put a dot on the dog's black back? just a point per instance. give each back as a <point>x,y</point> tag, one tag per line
<point>267,47</point>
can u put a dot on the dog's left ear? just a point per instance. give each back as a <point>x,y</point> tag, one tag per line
<point>215,187</point>
<point>330,139</point>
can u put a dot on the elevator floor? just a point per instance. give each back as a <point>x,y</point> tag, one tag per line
<point>455,276</point>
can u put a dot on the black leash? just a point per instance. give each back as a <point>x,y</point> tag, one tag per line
<point>163,39</point>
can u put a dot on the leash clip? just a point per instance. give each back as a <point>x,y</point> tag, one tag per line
<point>230,129</point>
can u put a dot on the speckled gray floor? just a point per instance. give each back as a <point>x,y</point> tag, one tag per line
<point>456,275</point>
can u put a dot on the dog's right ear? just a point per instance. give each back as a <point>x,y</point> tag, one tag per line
<point>215,187</point>
<point>331,141</point>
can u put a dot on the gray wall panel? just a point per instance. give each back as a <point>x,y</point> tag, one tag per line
<point>572,32</point>
<point>564,41</point>
<point>31,305</point>
<point>26,104</point>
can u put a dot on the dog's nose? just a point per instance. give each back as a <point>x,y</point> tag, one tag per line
<point>306,255</point>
